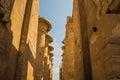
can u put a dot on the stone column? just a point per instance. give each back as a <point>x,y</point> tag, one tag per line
<point>100,39</point>
<point>46,63</point>
<point>43,28</point>
<point>63,61</point>
<point>79,70</point>
<point>51,70</point>
<point>28,38</point>
<point>68,58</point>
<point>50,61</point>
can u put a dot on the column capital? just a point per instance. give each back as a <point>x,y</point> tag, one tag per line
<point>50,48</point>
<point>51,55</point>
<point>44,24</point>
<point>48,39</point>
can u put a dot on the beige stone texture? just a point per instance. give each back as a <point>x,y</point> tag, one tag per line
<point>68,55</point>
<point>77,40</point>
<point>50,61</point>
<point>32,40</point>
<point>17,17</point>
<point>24,42</point>
<point>99,29</point>
<point>47,60</point>
<point>42,62</point>
<point>96,40</point>
<point>42,30</point>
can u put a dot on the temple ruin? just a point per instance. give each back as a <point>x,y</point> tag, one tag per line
<point>91,49</point>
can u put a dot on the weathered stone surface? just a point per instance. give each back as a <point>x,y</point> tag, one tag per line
<point>22,43</point>
<point>107,6</point>
<point>5,48</point>
<point>5,38</point>
<point>43,28</point>
<point>68,55</point>
<point>47,58</point>
<point>97,38</point>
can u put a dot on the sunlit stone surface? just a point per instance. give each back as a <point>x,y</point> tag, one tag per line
<point>23,41</point>
<point>96,41</point>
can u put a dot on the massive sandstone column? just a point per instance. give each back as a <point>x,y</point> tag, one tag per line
<point>96,38</point>
<point>28,37</point>
<point>50,54</point>
<point>100,34</point>
<point>43,28</point>
<point>78,56</point>
<point>68,55</point>
<point>22,41</point>
<point>48,40</point>
<point>97,22</point>
<point>63,60</point>
<point>51,66</point>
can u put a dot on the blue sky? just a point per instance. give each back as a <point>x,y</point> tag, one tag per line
<point>56,11</point>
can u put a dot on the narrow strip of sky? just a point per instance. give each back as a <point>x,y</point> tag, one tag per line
<point>56,11</point>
